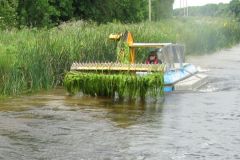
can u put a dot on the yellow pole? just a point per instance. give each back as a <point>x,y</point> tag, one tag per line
<point>132,55</point>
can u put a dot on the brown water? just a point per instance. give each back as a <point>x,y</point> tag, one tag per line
<point>204,124</point>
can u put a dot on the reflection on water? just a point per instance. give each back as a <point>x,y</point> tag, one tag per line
<point>53,123</point>
<point>123,114</point>
<point>182,126</point>
<point>202,124</point>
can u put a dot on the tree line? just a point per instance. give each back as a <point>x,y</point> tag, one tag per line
<point>213,10</point>
<point>41,13</point>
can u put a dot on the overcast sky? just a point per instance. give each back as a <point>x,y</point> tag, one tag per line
<point>198,2</point>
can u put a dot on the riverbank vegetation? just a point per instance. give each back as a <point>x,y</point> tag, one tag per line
<point>40,40</point>
<point>34,59</point>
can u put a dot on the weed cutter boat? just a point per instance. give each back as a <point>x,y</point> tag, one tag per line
<point>125,77</point>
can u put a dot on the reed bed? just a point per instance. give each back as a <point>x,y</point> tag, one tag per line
<point>35,59</point>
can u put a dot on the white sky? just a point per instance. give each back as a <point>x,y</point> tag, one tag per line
<point>197,2</point>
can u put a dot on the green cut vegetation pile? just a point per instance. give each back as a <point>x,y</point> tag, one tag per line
<point>124,85</point>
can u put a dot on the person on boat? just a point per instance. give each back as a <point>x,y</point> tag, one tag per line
<point>152,58</point>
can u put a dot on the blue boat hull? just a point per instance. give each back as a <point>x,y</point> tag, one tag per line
<point>172,77</point>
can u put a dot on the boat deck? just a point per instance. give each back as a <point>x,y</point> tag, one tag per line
<point>117,67</point>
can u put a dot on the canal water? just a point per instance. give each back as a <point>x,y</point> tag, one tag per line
<point>202,124</point>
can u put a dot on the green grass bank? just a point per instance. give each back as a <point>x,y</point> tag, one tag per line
<point>35,59</point>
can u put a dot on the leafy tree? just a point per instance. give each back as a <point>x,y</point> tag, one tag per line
<point>106,11</point>
<point>162,9</point>
<point>8,13</point>
<point>235,7</point>
<point>41,13</point>
<point>36,13</point>
<point>131,10</point>
<point>64,10</point>
<point>213,10</point>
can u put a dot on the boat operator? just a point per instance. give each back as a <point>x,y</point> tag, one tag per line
<point>153,58</point>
